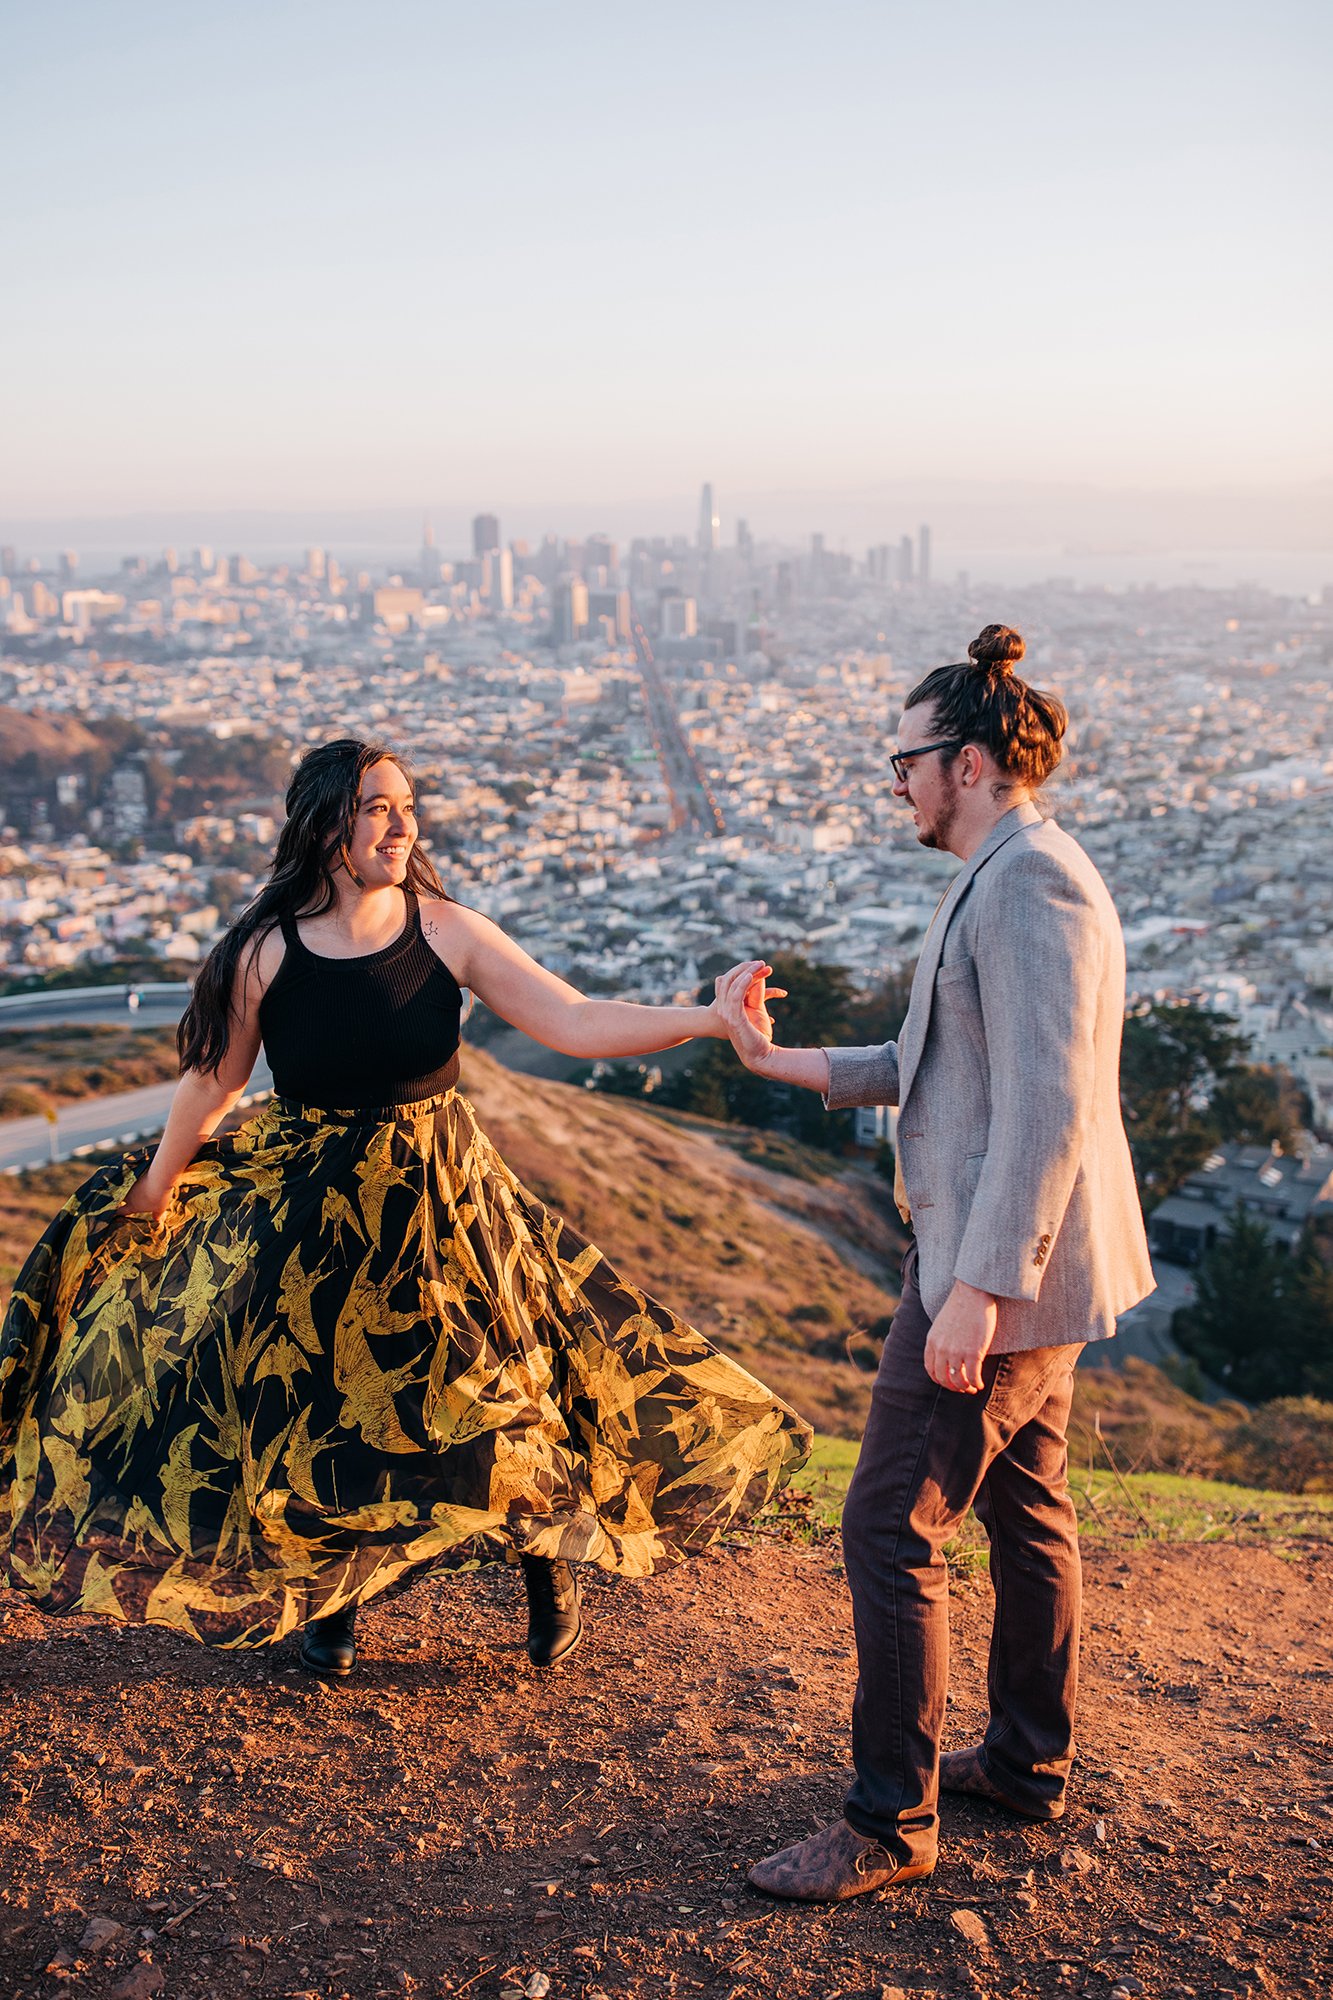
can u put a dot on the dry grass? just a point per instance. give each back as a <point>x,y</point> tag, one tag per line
<point>46,1066</point>
<point>1148,1424</point>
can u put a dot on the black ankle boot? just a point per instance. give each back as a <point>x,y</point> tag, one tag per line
<point>329,1644</point>
<point>554,1624</point>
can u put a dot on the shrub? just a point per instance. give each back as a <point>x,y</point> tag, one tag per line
<point>22,1100</point>
<point>1286,1444</point>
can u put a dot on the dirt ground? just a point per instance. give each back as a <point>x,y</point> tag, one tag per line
<point>179,1822</point>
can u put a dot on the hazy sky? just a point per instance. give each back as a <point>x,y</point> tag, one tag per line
<point>283,255</point>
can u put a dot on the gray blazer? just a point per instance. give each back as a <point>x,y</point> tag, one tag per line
<point>1007,1079</point>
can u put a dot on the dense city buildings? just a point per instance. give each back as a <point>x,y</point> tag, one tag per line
<point>645,759</point>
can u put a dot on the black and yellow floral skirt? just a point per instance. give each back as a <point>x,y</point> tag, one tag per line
<point>355,1346</point>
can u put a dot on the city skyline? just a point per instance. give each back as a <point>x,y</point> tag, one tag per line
<point>1016,537</point>
<point>551,255</point>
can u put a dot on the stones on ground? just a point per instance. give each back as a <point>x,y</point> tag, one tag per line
<point>100,1932</point>
<point>969,1925</point>
<point>537,1988</point>
<point>1155,1844</point>
<point>1075,1861</point>
<point>141,1982</point>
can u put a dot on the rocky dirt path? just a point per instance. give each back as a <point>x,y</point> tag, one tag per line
<point>176,1822</point>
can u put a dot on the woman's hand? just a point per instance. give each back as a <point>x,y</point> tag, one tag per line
<point>742,1005</point>
<point>148,1196</point>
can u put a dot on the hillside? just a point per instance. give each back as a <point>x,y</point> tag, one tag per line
<point>49,739</point>
<point>175,1822</point>
<point>447,1822</point>
<point>42,1066</point>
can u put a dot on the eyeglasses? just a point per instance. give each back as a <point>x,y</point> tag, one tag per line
<point>901,763</point>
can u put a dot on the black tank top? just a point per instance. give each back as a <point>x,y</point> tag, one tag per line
<point>355,1032</point>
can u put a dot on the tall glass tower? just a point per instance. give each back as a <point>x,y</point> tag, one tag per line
<point>710,527</point>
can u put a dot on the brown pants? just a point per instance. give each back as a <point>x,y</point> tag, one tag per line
<point>928,1455</point>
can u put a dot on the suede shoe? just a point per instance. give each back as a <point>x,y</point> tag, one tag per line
<point>554,1624</point>
<point>833,1864</point>
<point>963,1771</point>
<point>328,1645</point>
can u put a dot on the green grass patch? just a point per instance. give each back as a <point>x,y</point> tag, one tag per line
<point>1112,1507</point>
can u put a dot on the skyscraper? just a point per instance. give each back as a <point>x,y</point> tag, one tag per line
<point>677,615</point>
<point>710,526</point>
<point>905,559</point>
<point>499,583</point>
<point>430,560</point>
<point>569,610</point>
<point>923,556</point>
<point>485,534</point>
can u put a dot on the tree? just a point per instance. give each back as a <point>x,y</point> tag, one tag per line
<point>880,1016</point>
<point>1261,1105</point>
<point>819,1008</point>
<point>1172,1060</point>
<point>819,1003</point>
<point>1185,1090</point>
<point>1260,1317</point>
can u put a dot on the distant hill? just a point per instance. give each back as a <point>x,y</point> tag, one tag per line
<point>50,738</point>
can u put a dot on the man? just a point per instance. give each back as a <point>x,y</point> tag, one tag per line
<point>1028,1242</point>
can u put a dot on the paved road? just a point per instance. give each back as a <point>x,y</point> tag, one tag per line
<point>133,1115</point>
<point>129,1116</point>
<point>83,1006</point>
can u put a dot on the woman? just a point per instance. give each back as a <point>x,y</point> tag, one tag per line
<point>257,1380</point>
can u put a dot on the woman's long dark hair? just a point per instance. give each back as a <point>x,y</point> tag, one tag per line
<point>321,812</point>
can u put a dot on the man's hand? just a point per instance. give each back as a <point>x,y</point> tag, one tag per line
<point>742,1002</point>
<point>960,1338</point>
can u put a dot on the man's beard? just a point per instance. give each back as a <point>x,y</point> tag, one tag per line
<point>935,833</point>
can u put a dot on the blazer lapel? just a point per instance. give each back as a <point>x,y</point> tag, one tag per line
<point>912,1041</point>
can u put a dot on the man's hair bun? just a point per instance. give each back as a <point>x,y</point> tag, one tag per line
<point>982,700</point>
<point>997,648</point>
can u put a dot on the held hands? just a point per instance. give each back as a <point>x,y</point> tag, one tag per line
<point>742,1007</point>
<point>960,1338</point>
